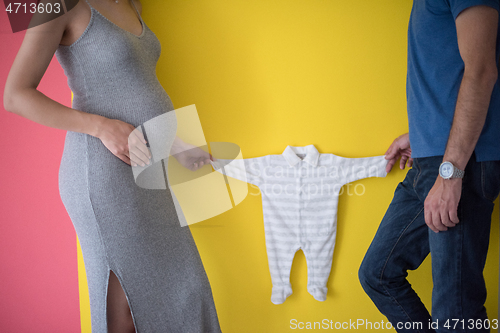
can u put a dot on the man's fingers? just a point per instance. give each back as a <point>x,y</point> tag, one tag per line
<point>390,164</point>
<point>454,216</point>
<point>445,219</point>
<point>405,160</point>
<point>437,222</point>
<point>391,152</point>
<point>402,163</point>
<point>428,220</point>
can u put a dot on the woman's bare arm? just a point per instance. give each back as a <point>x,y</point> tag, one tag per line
<point>22,97</point>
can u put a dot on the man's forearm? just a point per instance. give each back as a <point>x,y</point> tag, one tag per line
<point>470,114</point>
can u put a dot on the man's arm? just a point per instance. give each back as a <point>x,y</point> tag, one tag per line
<point>477,32</point>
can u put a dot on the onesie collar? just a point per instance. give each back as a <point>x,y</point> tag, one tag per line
<point>312,155</point>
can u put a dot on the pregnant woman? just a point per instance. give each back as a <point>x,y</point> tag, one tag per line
<point>143,269</point>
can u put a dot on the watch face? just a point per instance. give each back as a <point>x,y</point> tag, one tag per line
<point>446,170</point>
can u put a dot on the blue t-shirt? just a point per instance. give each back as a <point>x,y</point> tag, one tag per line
<point>435,71</point>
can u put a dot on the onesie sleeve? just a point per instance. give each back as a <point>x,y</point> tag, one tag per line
<point>353,169</point>
<point>247,170</point>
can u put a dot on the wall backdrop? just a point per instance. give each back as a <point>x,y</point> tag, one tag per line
<point>38,254</point>
<point>263,74</point>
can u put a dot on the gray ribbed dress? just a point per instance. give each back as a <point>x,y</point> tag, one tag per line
<point>134,232</point>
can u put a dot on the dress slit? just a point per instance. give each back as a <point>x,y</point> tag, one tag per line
<point>126,297</point>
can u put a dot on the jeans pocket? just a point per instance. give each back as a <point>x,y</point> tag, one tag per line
<point>416,167</point>
<point>490,179</point>
<point>427,172</point>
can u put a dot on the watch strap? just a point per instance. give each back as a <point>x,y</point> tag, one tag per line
<point>457,173</point>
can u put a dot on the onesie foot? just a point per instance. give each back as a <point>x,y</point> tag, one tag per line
<point>280,294</point>
<point>319,293</point>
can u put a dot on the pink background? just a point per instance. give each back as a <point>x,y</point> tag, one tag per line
<point>38,253</point>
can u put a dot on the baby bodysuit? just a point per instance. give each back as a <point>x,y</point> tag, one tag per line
<point>300,190</point>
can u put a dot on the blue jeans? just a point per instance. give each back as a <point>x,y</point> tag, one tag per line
<point>403,241</point>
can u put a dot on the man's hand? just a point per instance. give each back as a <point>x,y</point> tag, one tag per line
<point>441,204</point>
<point>399,148</point>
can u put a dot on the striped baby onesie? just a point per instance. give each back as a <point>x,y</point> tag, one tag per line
<point>300,190</point>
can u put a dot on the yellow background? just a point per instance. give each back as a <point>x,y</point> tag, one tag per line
<point>265,74</point>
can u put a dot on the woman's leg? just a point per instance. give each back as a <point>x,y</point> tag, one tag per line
<point>118,311</point>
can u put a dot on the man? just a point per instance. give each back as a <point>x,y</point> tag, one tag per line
<point>444,205</point>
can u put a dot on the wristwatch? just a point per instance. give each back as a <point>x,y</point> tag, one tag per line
<point>448,171</point>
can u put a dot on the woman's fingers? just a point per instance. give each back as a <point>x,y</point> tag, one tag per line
<point>139,159</point>
<point>199,163</point>
<point>138,156</point>
<point>124,158</point>
<point>138,151</point>
<point>138,134</point>
<point>137,139</point>
<point>192,157</point>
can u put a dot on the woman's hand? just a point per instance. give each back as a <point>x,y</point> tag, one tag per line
<point>399,148</point>
<point>189,156</point>
<point>124,141</point>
